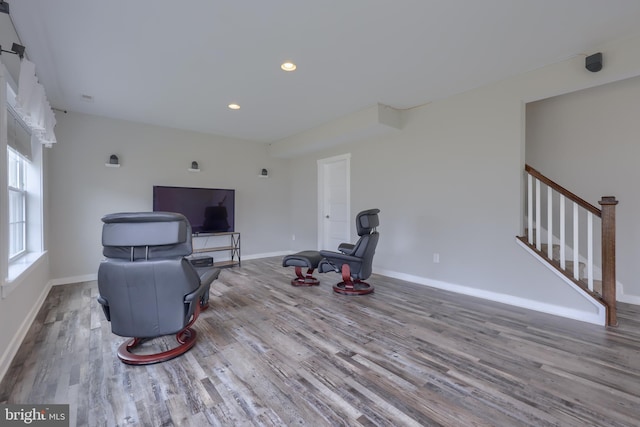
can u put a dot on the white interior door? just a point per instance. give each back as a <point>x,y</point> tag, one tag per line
<point>334,201</point>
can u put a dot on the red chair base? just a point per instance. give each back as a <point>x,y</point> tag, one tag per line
<point>186,338</point>
<point>304,280</point>
<point>356,287</point>
<point>349,286</point>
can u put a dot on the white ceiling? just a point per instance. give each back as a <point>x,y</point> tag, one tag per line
<point>179,63</point>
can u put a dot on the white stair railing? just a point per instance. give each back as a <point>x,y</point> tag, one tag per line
<point>536,221</point>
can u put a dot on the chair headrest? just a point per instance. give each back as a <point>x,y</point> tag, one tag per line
<point>367,220</point>
<point>166,234</point>
<point>143,217</point>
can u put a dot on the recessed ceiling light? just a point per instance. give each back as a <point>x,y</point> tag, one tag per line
<point>288,66</point>
<point>234,106</point>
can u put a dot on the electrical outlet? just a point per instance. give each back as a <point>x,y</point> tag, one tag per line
<point>436,258</point>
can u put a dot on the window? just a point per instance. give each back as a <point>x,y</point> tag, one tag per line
<point>16,167</point>
<point>21,195</point>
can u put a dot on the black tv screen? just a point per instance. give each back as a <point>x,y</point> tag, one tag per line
<point>209,210</point>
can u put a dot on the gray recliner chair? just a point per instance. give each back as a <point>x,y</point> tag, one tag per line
<point>147,287</point>
<point>354,261</point>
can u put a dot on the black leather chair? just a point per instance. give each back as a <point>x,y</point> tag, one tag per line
<point>147,287</point>
<point>354,261</point>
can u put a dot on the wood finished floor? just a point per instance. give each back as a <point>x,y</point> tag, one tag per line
<point>272,354</point>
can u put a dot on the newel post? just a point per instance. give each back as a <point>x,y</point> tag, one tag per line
<point>609,257</point>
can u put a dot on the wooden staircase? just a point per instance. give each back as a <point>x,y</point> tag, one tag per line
<point>580,273</point>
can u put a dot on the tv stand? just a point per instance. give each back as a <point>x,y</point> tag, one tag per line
<point>217,242</point>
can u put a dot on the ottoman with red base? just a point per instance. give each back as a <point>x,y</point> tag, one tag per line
<point>308,259</point>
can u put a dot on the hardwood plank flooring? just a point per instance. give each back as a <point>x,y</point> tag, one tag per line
<point>269,354</point>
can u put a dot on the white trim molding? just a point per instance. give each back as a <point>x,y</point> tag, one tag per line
<point>266,255</point>
<point>74,279</point>
<point>584,316</point>
<point>93,277</point>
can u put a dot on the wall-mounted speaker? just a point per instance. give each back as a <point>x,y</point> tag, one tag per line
<point>593,62</point>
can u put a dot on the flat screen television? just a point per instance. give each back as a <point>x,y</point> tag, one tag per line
<point>209,210</point>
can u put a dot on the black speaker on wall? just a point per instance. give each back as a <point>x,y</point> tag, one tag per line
<point>593,62</point>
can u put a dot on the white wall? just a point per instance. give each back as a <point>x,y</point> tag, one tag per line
<point>445,185</point>
<point>587,141</point>
<point>83,189</point>
<point>451,183</point>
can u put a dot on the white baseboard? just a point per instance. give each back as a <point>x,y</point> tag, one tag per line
<point>266,255</point>
<point>74,279</point>
<point>595,318</point>
<point>94,276</point>
<point>584,316</point>
<point>629,299</point>
<point>21,333</point>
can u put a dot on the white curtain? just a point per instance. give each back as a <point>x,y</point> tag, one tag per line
<point>32,104</point>
<point>27,81</point>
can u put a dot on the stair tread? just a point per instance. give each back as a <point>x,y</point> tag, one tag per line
<point>569,263</point>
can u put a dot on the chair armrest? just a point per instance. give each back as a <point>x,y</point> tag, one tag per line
<point>208,276</point>
<point>338,256</point>
<point>196,295</point>
<point>346,248</point>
